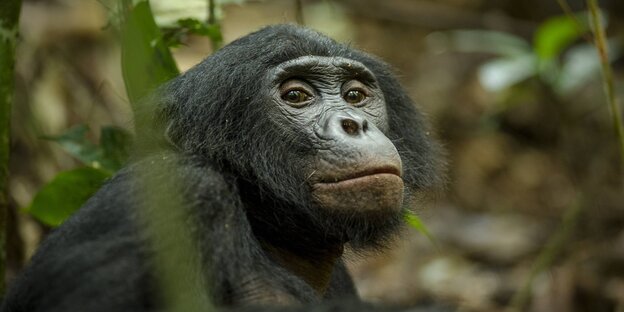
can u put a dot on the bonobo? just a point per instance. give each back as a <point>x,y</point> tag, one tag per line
<point>285,146</point>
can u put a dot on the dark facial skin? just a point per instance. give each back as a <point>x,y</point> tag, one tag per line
<point>337,102</point>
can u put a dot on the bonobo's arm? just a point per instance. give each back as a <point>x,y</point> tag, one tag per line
<point>102,260</point>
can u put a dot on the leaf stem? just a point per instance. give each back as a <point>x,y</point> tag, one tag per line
<point>607,74</point>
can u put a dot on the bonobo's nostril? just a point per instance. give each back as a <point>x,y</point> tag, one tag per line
<point>350,126</point>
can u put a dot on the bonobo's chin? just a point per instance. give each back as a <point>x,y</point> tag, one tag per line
<point>377,194</point>
<point>365,211</point>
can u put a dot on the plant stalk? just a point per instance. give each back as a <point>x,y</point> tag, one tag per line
<point>607,74</point>
<point>547,256</point>
<point>9,17</point>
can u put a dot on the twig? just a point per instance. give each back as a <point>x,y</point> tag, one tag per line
<point>212,21</point>
<point>211,12</point>
<point>548,255</point>
<point>607,74</point>
<point>299,12</point>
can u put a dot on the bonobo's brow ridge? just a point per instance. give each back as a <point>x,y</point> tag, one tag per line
<point>323,65</point>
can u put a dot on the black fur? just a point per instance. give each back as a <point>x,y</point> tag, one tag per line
<point>236,172</point>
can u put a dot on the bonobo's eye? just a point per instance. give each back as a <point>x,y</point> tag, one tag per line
<point>296,92</point>
<point>354,96</point>
<point>295,96</point>
<point>355,92</point>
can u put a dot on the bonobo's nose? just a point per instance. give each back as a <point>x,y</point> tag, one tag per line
<point>353,126</point>
<point>355,144</point>
<point>344,124</point>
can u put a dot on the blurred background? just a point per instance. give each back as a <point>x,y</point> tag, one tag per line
<point>533,211</point>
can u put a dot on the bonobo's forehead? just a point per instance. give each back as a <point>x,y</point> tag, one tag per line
<point>312,65</point>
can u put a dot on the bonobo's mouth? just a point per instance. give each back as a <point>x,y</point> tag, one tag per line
<point>361,175</point>
<point>374,189</point>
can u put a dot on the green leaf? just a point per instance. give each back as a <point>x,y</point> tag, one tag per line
<point>214,33</point>
<point>115,143</point>
<point>556,34</point>
<point>75,142</point>
<point>192,24</point>
<point>145,59</point>
<point>195,26</point>
<point>67,192</point>
<point>173,36</point>
<point>415,222</point>
<point>110,155</point>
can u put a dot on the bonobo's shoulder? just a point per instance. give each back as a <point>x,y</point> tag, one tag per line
<point>172,165</point>
<point>168,172</point>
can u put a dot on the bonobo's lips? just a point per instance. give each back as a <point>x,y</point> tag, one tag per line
<point>372,189</point>
<point>339,178</point>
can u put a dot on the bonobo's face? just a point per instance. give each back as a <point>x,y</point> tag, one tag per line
<point>337,103</point>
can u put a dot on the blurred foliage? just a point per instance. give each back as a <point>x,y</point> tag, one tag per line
<point>554,56</point>
<point>68,191</point>
<point>109,155</point>
<point>557,33</point>
<point>167,13</point>
<point>175,36</point>
<point>146,61</point>
<point>414,221</point>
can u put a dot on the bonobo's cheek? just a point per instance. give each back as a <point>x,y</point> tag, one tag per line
<point>381,192</point>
